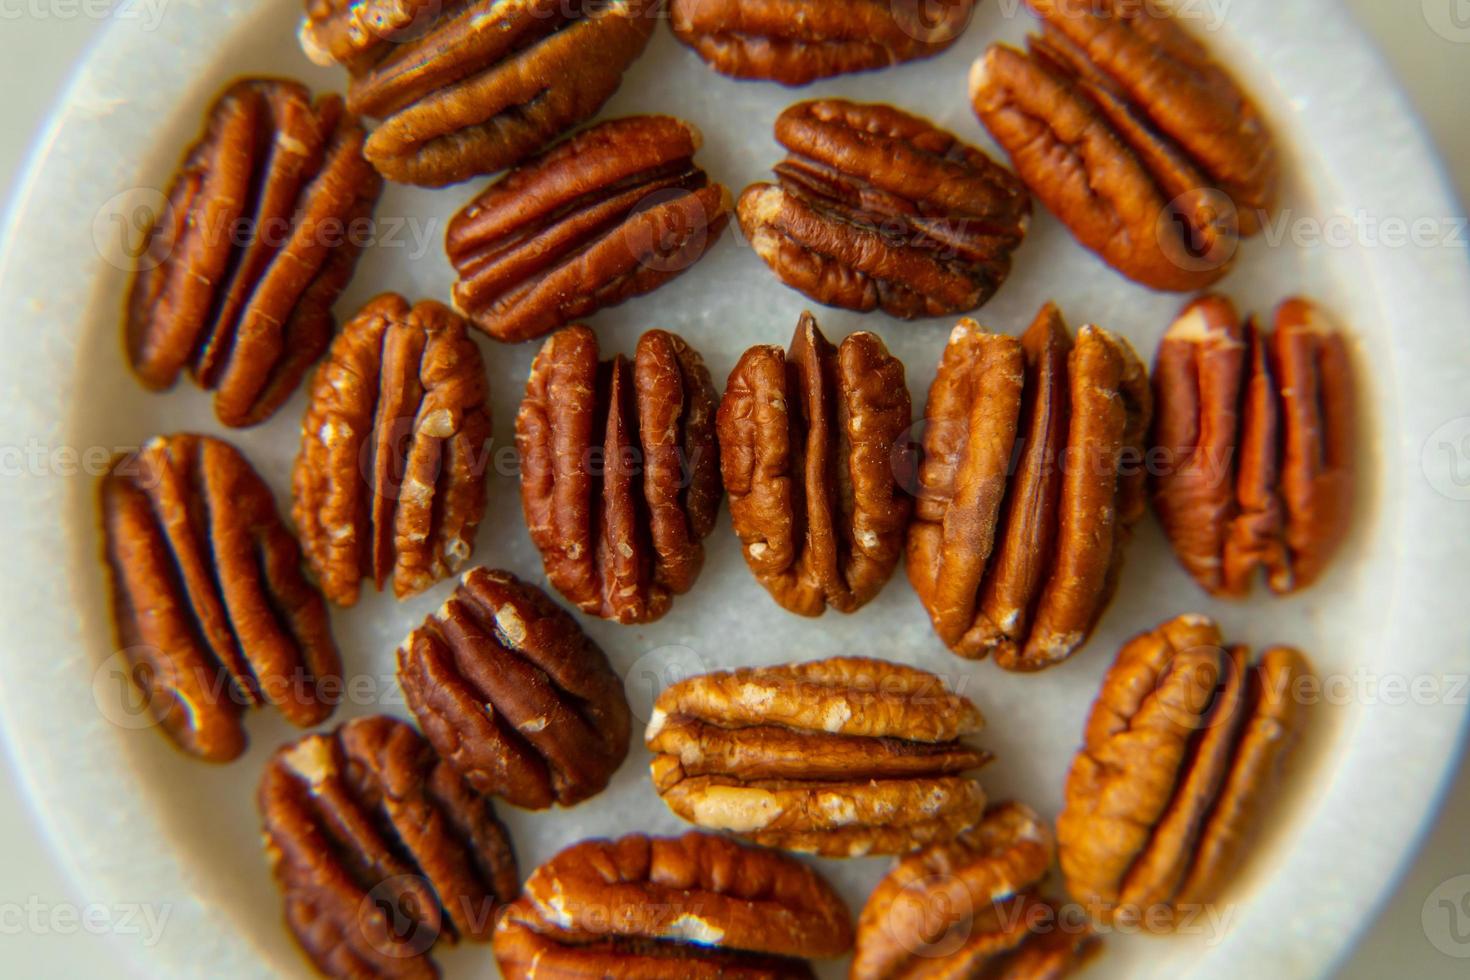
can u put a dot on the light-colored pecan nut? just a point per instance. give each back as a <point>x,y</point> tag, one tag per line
<point>1253,445</point>
<point>514,695</point>
<point>380,850</point>
<point>614,212</point>
<point>211,607</point>
<point>620,478</point>
<point>841,757</point>
<point>878,209</point>
<point>1134,136</point>
<point>1182,750</point>
<point>260,236</point>
<point>391,476</point>
<point>469,87</point>
<point>806,445</point>
<point>670,908</point>
<point>1031,477</point>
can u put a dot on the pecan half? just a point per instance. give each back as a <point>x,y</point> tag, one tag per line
<point>667,908</point>
<point>806,440</point>
<point>1182,750</point>
<point>620,473</point>
<point>259,237</point>
<point>468,87</point>
<point>391,475</point>
<point>1134,136</point>
<point>878,209</point>
<point>381,850</point>
<point>211,607</point>
<point>614,212</point>
<point>1030,479</point>
<point>841,757</point>
<point>514,695</point>
<point>1253,445</point>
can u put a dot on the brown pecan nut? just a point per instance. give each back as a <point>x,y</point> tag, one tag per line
<point>514,695</point>
<point>1182,750</point>
<point>469,87</point>
<point>381,850</point>
<point>391,475</point>
<point>614,212</point>
<point>878,209</point>
<point>257,241</point>
<point>841,757</point>
<point>795,42</point>
<point>211,607</point>
<point>1134,136</point>
<point>806,444</point>
<point>670,908</point>
<point>1030,480</point>
<point>1253,443</point>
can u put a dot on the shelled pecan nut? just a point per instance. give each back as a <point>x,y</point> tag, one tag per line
<point>1253,444</point>
<point>667,908</point>
<point>1134,136</point>
<point>259,237</point>
<point>381,850</point>
<point>210,604</point>
<point>841,757</point>
<point>514,695</point>
<point>878,209</point>
<point>612,213</point>
<point>1182,751</point>
<point>391,475</point>
<point>620,477</point>
<point>806,443</point>
<point>1031,477</point>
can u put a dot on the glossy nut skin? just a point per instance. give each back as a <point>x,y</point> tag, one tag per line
<point>211,608</point>
<point>667,908</point>
<point>806,444</point>
<point>259,237</point>
<point>380,850</point>
<point>876,209</point>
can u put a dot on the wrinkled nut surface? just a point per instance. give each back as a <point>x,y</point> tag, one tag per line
<point>878,209</point>
<point>612,213</point>
<point>390,480</point>
<point>620,478</point>
<point>806,445</point>
<point>1182,751</point>
<point>469,87</point>
<point>841,757</point>
<point>1253,445</point>
<point>1030,479</point>
<point>669,908</point>
<point>380,850</point>
<point>514,695</point>
<point>1128,131</point>
<point>211,607</point>
<point>241,269</point>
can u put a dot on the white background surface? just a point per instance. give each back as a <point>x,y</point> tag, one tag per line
<point>41,931</point>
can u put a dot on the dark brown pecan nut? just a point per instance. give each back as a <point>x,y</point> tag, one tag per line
<point>469,87</point>
<point>1253,444</point>
<point>391,475</point>
<point>1132,135</point>
<point>670,908</point>
<point>381,850</point>
<point>513,694</point>
<point>841,757</point>
<point>806,445</point>
<point>620,476</point>
<point>260,236</point>
<point>1182,751</point>
<point>878,209</point>
<point>614,212</point>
